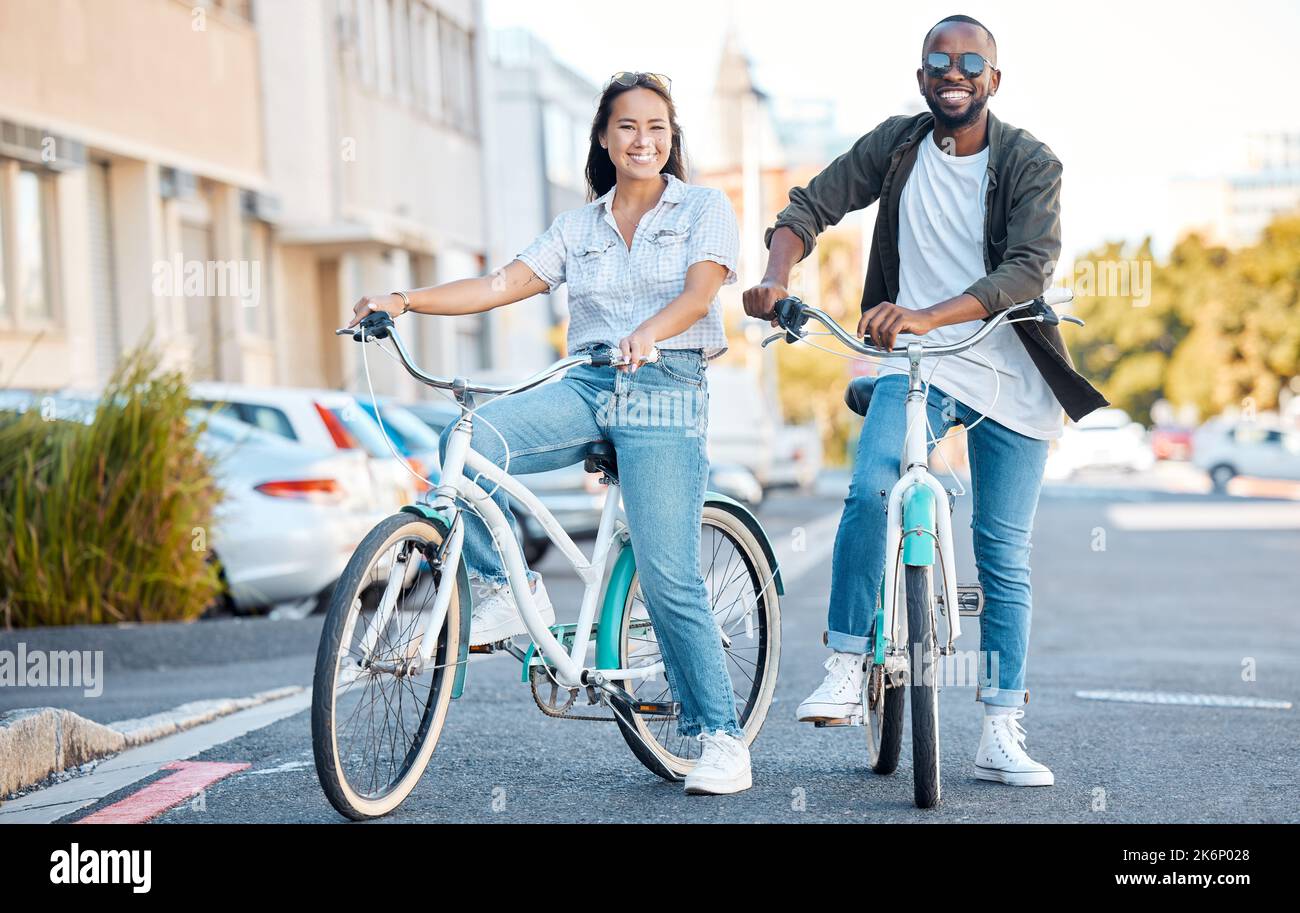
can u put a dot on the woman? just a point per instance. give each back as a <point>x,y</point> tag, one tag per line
<point>644,262</point>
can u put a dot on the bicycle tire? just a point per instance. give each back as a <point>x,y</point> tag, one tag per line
<point>429,710</point>
<point>923,688</point>
<point>654,741</point>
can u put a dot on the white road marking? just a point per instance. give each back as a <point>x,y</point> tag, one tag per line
<point>1186,700</point>
<point>1208,516</point>
<point>818,542</point>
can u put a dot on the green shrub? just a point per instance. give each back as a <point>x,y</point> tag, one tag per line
<point>107,521</point>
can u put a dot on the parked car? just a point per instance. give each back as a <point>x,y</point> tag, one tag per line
<point>413,439</point>
<point>742,427</point>
<point>735,481</point>
<point>321,419</point>
<point>1225,450</point>
<point>576,497</point>
<point>1172,442</point>
<point>1104,439</point>
<point>290,516</point>
<point>797,456</point>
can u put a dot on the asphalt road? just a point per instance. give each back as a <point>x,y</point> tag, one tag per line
<point>1133,590</point>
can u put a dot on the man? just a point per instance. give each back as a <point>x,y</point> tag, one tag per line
<point>968,225</point>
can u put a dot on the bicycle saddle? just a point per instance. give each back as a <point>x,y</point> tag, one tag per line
<point>858,394</point>
<point>600,457</point>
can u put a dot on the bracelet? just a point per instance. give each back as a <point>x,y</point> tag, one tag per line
<point>405,301</point>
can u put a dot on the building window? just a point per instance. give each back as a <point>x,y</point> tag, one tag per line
<point>401,50</point>
<point>365,51</point>
<point>257,313</point>
<point>32,211</point>
<point>415,53</point>
<point>4,299</point>
<point>432,58</point>
<point>384,46</point>
<point>471,343</point>
<point>457,47</point>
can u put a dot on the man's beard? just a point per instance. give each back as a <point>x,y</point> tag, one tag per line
<point>965,119</point>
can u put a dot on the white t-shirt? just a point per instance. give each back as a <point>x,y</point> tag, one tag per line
<point>940,251</point>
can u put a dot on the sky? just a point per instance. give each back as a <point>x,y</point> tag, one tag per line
<point>1129,95</point>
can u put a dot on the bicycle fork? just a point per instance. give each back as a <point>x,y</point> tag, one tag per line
<point>914,526</point>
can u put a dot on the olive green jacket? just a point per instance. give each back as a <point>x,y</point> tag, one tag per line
<point>1022,230</point>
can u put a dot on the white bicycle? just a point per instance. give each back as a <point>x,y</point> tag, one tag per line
<point>906,644</point>
<point>394,647</point>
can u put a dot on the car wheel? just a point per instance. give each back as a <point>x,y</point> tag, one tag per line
<point>1221,475</point>
<point>222,605</point>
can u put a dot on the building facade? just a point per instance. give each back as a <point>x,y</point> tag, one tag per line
<point>541,113</point>
<point>227,178</point>
<point>130,134</point>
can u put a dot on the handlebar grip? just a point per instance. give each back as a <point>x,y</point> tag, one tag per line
<point>791,318</point>
<point>602,360</point>
<point>1055,296</point>
<point>376,326</point>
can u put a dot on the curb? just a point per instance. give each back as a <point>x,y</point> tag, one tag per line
<point>40,741</point>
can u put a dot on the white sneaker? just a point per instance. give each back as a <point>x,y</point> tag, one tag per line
<point>496,616</point>
<point>723,766</point>
<point>1001,756</point>
<point>840,693</point>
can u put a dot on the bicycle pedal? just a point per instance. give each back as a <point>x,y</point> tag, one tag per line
<point>672,709</point>
<point>970,599</point>
<point>485,648</point>
<point>854,720</point>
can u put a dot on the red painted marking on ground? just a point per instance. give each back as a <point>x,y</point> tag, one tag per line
<point>190,778</point>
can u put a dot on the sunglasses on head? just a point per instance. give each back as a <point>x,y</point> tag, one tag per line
<point>628,79</point>
<point>937,63</point>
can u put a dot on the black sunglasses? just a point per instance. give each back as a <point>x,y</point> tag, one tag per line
<point>937,63</point>
<point>627,78</point>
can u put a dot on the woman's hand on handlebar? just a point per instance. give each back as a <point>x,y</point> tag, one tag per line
<point>392,304</point>
<point>881,324</point>
<point>637,345</point>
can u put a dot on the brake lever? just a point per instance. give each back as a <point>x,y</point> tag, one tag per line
<point>1074,320</point>
<point>771,339</point>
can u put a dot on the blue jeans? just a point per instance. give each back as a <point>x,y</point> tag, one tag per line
<point>1006,476</point>
<point>656,418</point>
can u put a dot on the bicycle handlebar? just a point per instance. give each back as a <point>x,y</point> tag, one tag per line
<point>792,314</point>
<point>379,325</point>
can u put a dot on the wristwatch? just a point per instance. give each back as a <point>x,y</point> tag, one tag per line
<point>405,301</point>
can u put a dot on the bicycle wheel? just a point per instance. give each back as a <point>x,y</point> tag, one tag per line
<point>741,590</point>
<point>375,721</point>
<point>923,685</point>
<point>882,708</point>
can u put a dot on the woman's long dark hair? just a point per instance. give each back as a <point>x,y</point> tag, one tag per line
<point>600,169</point>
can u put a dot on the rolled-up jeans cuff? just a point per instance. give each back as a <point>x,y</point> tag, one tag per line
<point>1001,697</point>
<point>847,643</point>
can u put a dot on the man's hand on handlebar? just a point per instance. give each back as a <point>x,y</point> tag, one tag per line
<point>391,304</point>
<point>881,324</point>
<point>760,301</point>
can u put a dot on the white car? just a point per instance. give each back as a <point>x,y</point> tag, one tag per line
<point>323,420</point>
<point>290,516</point>
<point>1224,450</point>
<point>743,424</point>
<point>798,457</point>
<point>1104,439</point>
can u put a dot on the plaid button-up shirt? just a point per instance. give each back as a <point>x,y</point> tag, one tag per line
<point>614,289</point>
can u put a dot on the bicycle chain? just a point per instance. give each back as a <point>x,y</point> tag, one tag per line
<point>555,713</point>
